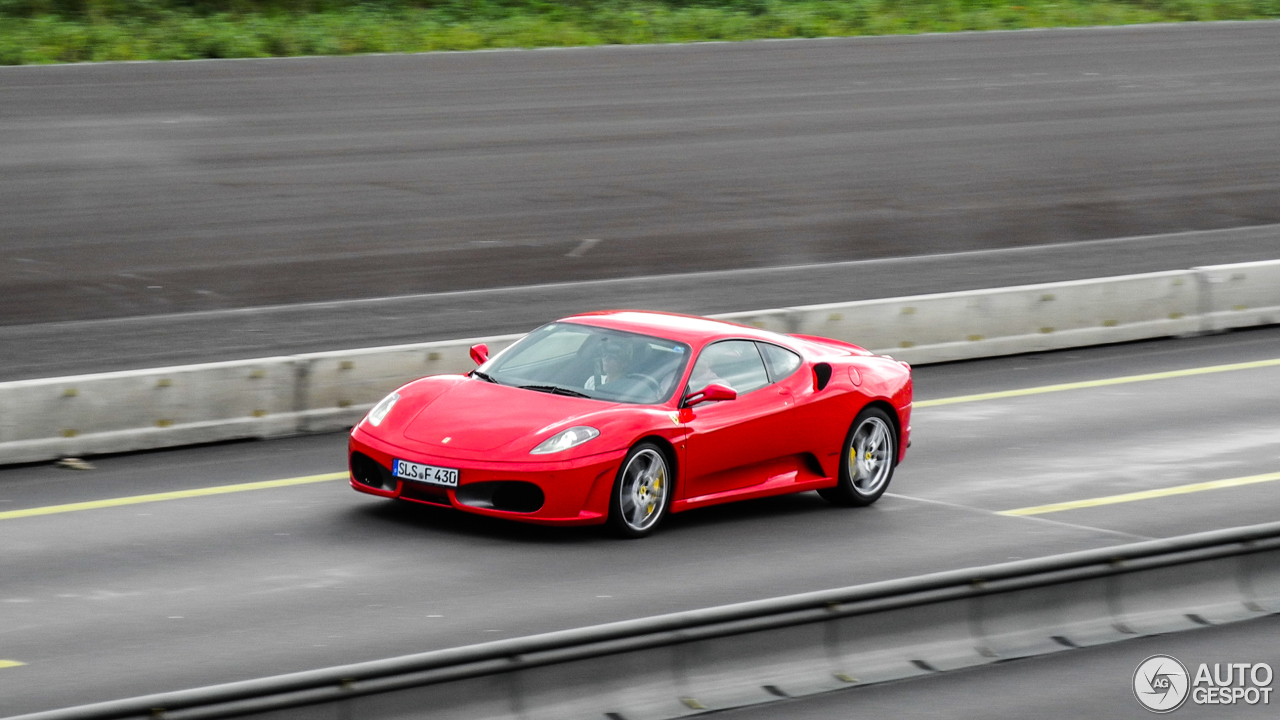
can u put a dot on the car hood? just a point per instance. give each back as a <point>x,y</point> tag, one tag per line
<point>477,416</point>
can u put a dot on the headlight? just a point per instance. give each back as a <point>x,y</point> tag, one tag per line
<point>383,407</point>
<point>573,437</point>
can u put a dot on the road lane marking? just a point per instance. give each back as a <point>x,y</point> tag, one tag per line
<point>984,511</point>
<point>1099,383</point>
<point>583,247</point>
<point>10,663</point>
<point>1143,495</point>
<point>244,487</point>
<point>175,495</point>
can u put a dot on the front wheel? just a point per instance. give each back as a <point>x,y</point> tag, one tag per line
<point>870,454</point>
<point>641,493</point>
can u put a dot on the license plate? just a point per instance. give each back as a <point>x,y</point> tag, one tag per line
<point>425,473</point>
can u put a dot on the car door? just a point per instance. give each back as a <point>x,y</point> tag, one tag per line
<point>737,443</point>
<point>796,389</point>
<point>817,420</point>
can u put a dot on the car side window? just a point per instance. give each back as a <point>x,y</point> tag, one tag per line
<point>781,361</point>
<point>732,363</point>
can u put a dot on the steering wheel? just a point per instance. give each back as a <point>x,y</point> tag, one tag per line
<point>647,381</point>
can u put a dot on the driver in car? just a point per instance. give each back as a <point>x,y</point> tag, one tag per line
<point>613,366</point>
<point>716,363</point>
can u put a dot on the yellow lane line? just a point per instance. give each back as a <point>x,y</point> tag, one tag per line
<point>1099,383</point>
<point>176,495</point>
<point>1144,495</point>
<point>10,663</point>
<point>243,487</point>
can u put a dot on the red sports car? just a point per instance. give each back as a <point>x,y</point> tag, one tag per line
<point>622,417</point>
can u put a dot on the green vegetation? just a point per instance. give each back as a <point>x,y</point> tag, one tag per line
<point>42,31</point>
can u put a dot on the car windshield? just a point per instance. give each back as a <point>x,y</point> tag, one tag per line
<point>586,361</point>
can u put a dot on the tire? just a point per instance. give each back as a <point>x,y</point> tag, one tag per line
<point>870,454</point>
<point>642,492</point>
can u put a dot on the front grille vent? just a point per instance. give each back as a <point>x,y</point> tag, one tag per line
<point>368,471</point>
<point>506,495</point>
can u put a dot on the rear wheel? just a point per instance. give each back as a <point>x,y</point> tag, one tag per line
<point>641,493</point>
<point>869,457</point>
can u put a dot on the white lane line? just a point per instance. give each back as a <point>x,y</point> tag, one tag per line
<point>984,511</point>
<point>583,247</point>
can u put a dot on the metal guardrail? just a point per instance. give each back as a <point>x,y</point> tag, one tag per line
<point>1095,596</point>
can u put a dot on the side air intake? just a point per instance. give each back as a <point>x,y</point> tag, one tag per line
<point>821,375</point>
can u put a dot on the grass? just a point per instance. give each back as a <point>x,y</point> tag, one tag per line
<point>49,31</point>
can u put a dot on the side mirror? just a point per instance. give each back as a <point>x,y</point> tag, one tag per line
<point>479,353</point>
<point>710,393</point>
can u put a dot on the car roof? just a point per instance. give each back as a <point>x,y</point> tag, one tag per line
<point>689,329</point>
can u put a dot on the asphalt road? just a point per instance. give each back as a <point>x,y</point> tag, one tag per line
<point>152,189</point>
<point>112,602</point>
<point>1087,683</point>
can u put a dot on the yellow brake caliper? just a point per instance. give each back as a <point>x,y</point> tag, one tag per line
<point>657,485</point>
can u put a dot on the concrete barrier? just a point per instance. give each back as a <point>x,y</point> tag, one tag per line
<point>337,388</point>
<point>688,663</point>
<point>1002,321</point>
<point>163,407</point>
<point>1239,295</point>
<point>138,409</point>
<point>117,412</point>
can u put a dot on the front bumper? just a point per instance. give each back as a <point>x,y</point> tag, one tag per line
<point>573,492</point>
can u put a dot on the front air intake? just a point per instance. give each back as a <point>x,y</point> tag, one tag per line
<point>368,471</point>
<point>505,495</point>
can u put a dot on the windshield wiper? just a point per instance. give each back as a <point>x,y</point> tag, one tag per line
<point>555,390</point>
<point>484,376</point>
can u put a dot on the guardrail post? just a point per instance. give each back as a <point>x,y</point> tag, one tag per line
<point>515,691</point>
<point>976,629</point>
<point>1115,605</point>
<point>832,643</point>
